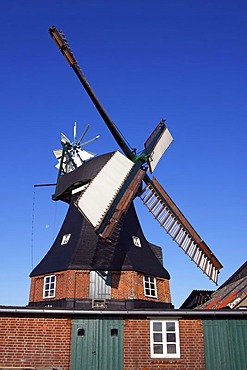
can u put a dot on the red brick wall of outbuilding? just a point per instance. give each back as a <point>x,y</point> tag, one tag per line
<point>45,342</point>
<point>39,342</point>
<point>137,346</point>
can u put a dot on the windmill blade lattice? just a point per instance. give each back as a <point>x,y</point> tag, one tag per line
<point>165,211</point>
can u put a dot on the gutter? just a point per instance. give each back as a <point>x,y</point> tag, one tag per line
<point>164,313</point>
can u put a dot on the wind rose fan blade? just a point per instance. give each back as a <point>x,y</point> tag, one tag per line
<point>83,134</point>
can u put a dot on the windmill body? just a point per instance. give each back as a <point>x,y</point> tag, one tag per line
<point>101,254</point>
<point>86,268</point>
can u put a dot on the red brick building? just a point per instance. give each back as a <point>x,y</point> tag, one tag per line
<point>98,304</point>
<point>62,339</point>
<point>75,284</point>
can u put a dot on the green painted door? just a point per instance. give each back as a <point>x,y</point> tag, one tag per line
<point>225,343</point>
<point>97,344</point>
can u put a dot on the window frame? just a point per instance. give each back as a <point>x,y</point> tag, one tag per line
<point>65,239</point>
<point>164,342</point>
<point>150,288</point>
<point>49,289</point>
<point>136,241</point>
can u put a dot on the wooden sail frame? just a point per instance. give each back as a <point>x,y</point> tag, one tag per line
<point>169,216</point>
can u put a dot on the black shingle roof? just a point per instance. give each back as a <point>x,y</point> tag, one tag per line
<point>85,249</point>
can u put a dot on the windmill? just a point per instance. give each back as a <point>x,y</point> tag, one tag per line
<point>105,199</point>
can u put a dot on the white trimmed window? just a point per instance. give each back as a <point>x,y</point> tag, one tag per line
<point>49,286</point>
<point>65,239</point>
<point>136,241</point>
<point>164,338</point>
<point>150,289</point>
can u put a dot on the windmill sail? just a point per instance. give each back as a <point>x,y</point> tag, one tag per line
<point>122,205</point>
<point>165,211</point>
<point>107,197</point>
<point>97,198</point>
<point>63,45</point>
<point>157,144</point>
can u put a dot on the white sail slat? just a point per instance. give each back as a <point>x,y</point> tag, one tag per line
<point>95,201</point>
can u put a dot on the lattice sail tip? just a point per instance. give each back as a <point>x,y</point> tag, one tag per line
<point>177,226</point>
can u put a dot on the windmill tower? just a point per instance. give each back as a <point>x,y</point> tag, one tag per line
<point>101,257</point>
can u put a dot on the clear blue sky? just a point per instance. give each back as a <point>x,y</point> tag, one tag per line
<point>185,61</point>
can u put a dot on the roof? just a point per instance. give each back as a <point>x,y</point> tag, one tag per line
<point>31,311</point>
<point>196,298</point>
<point>241,272</point>
<point>231,294</point>
<point>85,250</point>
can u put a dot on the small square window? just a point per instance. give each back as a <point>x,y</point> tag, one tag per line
<point>170,326</point>
<point>164,335</point>
<point>65,239</point>
<point>49,286</point>
<point>158,348</point>
<point>158,337</point>
<point>136,241</point>
<point>114,332</point>
<point>81,332</point>
<point>171,337</point>
<point>150,286</point>
<point>171,348</point>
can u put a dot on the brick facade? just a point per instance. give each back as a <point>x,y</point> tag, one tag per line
<point>45,342</point>
<point>40,342</point>
<point>69,284</point>
<point>137,346</point>
<point>75,284</point>
<point>129,285</point>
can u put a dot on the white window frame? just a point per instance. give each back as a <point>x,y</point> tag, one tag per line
<point>49,288</point>
<point>151,286</point>
<point>65,239</point>
<point>164,341</point>
<point>136,241</point>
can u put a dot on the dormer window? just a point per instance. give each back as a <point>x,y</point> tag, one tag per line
<point>136,241</point>
<point>150,289</point>
<point>49,286</point>
<point>65,239</point>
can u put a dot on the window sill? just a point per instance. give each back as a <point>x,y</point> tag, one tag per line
<point>165,360</point>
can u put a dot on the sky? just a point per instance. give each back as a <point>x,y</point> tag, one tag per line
<point>184,61</point>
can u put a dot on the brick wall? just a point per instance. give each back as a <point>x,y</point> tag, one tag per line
<point>35,342</point>
<point>137,346</point>
<point>75,284</point>
<point>129,285</point>
<point>69,284</point>
<point>45,343</point>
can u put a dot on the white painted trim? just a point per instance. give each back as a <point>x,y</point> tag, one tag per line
<point>44,290</point>
<point>155,287</point>
<point>164,342</point>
